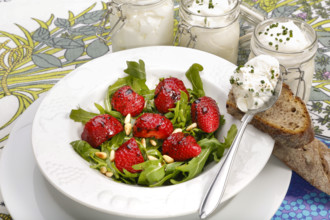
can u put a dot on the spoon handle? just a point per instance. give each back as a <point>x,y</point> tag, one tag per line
<point>218,185</point>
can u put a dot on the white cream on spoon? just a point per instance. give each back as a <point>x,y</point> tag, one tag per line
<point>254,83</point>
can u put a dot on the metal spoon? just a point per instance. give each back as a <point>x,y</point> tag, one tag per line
<point>215,192</point>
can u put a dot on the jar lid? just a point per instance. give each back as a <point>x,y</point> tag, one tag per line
<point>209,8</point>
<point>138,2</point>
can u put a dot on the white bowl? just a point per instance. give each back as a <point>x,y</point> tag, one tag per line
<point>53,131</point>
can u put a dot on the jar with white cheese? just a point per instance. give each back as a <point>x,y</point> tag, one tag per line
<point>294,43</point>
<point>138,23</point>
<point>211,26</point>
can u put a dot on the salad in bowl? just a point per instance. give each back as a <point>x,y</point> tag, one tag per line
<point>159,184</point>
<point>152,137</point>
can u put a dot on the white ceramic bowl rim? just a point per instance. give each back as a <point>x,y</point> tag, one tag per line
<point>53,131</point>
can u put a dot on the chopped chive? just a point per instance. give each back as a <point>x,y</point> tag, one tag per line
<point>232,81</point>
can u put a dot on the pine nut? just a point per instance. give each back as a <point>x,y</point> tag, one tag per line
<point>128,118</point>
<point>112,155</point>
<point>168,159</point>
<point>177,130</point>
<point>192,126</point>
<point>153,142</point>
<point>143,142</point>
<point>101,155</point>
<point>152,157</point>
<point>109,174</point>
<point>103,170</point>
<point>128,128</point>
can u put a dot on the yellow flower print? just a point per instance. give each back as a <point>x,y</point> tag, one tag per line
<point>268,5</point>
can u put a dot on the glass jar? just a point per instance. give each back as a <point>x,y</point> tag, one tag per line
<point>294,46</point>
<point>137,23</point>
<point>214,28</point>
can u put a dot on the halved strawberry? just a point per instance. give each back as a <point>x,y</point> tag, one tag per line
<point>152,125</point>
<point>167,93</point>
<point>101,128</point>
<point>125,101</point>
<point>205,112</point>
<point>181,146</point>
<point>127,155</point>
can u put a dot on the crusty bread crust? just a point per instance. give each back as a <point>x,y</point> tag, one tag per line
<point>287,122</point>
<point>311,162</point>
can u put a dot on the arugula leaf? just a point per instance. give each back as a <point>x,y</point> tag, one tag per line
<point>136,70</point>
<point>87,152</point>
<point>80,115</point>
<point>152,172</point>
<point>127,177</point>
<point>162,181</point>
<point>193,76</point>
<point>117,115</point>
<point>136,79</point>
<point>113,168</point>
<point>154,152</point>
<point>181,112</point>
<point>212,143</point>
<point>100,108</point>
<point>112,89</point>
<point>193,167</point>
<point>231,134</point>
<point>148,94</point>
<point>150,106</point>
<point>171,167</point>
<point>114,143</point>
<point>84,149</point>
<point>83,116</point>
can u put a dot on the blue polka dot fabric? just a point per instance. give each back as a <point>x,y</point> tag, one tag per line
<point>304,201</point>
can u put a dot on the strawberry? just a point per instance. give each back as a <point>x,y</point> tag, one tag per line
<point>181,146</point>
<point>205,112</point>
<point>127,155</point>
<point>152,125</point>
<point>125,101</point>
<point>167,93</point>
<point>100,128</point>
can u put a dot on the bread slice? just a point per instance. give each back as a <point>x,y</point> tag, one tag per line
<point>287,121</point>
<point>311,162</point>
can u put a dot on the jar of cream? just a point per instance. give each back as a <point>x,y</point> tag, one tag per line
<point>294,44</point>
<point>211,26</point>
<point>137,23</point>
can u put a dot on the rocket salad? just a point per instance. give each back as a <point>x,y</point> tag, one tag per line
<point>152,137</point>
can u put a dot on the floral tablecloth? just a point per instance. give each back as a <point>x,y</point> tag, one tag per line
<point>40,44</point>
